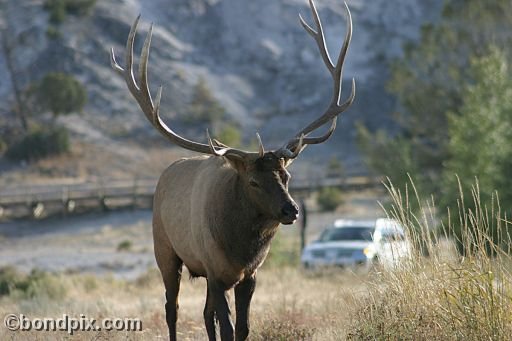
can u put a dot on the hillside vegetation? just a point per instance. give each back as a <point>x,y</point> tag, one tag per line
<point>261,69</point>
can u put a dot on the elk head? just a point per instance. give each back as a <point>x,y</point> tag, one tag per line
<point>264,180</point>
<point>263,174</point>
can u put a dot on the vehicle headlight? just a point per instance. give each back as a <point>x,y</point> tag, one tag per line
<point>369,251</point>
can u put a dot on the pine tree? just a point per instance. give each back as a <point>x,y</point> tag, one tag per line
<point>428,81</point>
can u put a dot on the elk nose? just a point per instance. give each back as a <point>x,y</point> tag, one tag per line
<point>290,210</point>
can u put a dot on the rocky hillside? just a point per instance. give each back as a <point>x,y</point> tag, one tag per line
<point>254,56</point>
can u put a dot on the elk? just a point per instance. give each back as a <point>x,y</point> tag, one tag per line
<point>217,213</point>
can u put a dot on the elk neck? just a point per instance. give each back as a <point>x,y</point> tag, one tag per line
<point>240,229</point>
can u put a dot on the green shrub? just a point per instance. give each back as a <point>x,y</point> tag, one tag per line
<point>37,284</point>
<point>204,107</point>
<point>39,144</point>
<point>335,168</point>
<point>61,93</point>
<point>53,33</point>
<point>125,245</point>
<point>59,9</point>
<point>80,7</point>
<point>283,252</point>
<point>230,135</point>
<point>329,198</point>
<point>9,277</point>
<point>90,283</point>
<point>43,284</point>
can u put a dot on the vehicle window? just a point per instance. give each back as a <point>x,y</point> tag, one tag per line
<point>347,233</point>
<point>392,237</point>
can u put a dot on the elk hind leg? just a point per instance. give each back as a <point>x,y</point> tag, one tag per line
<point>170,266</point>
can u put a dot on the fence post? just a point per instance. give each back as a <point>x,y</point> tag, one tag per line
<point>37,209</point>
<point>102,198</point>
<point>134,194</point>
<point>64,200</point>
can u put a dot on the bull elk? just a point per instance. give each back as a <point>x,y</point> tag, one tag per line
<point>217,213</point>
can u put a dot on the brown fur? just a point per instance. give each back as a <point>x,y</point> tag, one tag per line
<point>209,216</point>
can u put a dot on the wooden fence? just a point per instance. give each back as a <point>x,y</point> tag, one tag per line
<point>42,200</point>
<point>38,201</point>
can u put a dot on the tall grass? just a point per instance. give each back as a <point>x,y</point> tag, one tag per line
<point>437,294</point>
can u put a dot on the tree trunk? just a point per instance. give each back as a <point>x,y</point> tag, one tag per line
<point>19,108</point>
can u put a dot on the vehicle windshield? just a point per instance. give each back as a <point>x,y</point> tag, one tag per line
<point>347,233</point>
<point>392,236</point>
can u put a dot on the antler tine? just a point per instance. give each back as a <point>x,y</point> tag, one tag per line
<point>151,109</point>
<point>313,140</point>
<point>260,144</point>
<point>143,72</point>
<point>318,36</point>
<point>212,147</point>
<point>114,64</point>
<point>325,137</point>
<point>219,144</point>
<point>288,153</point>
<point>341,58</point>
<point>224,150</point>
<point>156,110</point>
<point>336,71</point>
<point>128,52</point>
<point>128,75</point>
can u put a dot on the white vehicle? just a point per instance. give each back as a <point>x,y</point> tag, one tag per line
<point>353,242</point>
<point>342,244</point>
<point>390,246</point>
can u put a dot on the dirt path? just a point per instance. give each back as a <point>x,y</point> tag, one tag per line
<point>81,244</point>
<point>90,243</point>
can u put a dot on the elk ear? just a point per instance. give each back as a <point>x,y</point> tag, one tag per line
<point>239,163</point>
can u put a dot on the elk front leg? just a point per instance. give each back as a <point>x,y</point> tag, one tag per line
<point>219,296</point>
<point>243,295</point>
<point>209,316</point>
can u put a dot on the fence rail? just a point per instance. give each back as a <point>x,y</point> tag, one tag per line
<point>42,200</point>
<point>70,198</point>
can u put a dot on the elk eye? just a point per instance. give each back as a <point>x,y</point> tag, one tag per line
<point>254,184</point>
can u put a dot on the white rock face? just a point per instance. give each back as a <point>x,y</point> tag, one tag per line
<point>254,55</point>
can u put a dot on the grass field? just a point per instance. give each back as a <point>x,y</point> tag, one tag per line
<point>288,305</point>
<point>435,295</point>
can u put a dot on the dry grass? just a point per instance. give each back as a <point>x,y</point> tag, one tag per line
<point>442,296</point>
<point>288,305</point>
<point>436,297</point>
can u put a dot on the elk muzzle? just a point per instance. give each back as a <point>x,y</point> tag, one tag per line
<point>289,213</point>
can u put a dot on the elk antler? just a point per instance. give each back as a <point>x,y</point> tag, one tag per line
<point>294,146</point>
<point>152,109</point>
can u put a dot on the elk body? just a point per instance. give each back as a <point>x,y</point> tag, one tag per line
<point>217,213</point>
